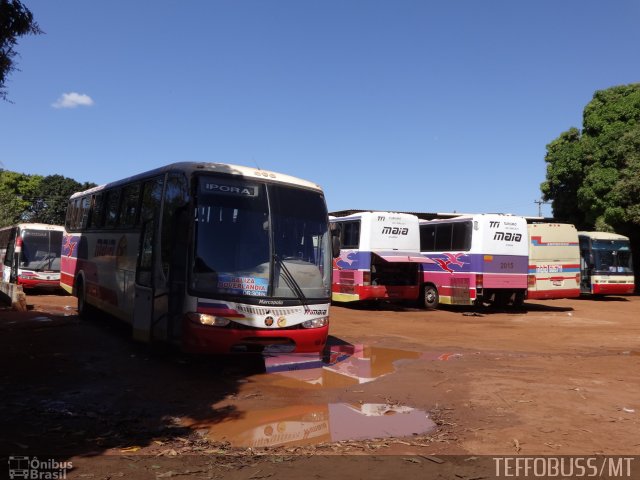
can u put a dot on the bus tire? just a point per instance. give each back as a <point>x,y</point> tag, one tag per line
<point>518,299</point>
<point>430,297</point>
<point>84,309</point>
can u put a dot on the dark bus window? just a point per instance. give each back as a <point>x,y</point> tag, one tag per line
<point>97,211</point>
<point>69,216</point>
<point>176,196</point>
<point>461,240</point>
<point>129,205</point>
<point>83,214</point>
<point>77,213</point>
<point>350,234</point>
<point>111,211</point>
<point>443,237</point>
<point>151,198</point>
<point>427,238</point>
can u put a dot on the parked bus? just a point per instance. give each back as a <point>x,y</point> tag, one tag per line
<point>605,264</point>
<point>554,261</point>
<point>30,255</point>
<point>217,258</point>
<point>379,257</point>
<point>476,259</point>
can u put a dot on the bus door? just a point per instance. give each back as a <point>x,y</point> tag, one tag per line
<point>12,257</point>
<point>161,264</point>
<point>149,305</point>
<point>586,265</point>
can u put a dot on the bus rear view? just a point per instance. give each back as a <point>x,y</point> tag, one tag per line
<point>554,261</point>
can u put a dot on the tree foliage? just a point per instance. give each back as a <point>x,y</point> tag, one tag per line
<point>16,193</point>
<point>50,205</point>
<point>593,175</point>
<point>15,21</point>
<point>34,198</point>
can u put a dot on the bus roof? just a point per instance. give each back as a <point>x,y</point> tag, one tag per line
<point>473,216</point>
<point>370,214</point>
<point>191,167</point>
<point>35,226</point>
<point>603,236</point>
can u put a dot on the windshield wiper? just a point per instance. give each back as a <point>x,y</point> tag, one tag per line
<point>291,281</point>
<point>48,258</point>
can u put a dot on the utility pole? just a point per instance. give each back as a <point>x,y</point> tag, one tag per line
<point>540,203</point>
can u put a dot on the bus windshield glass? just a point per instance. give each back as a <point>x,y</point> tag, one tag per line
<point>612,256</point>
<point>41,250</point>
<point>242,226</point>
<point>301,243</point>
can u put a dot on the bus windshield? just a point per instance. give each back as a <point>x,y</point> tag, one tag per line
<point>243,225</point>
<point>612,256</point>
<point>41,250</point>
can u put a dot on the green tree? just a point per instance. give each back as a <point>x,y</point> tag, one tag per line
<point>15,21</point>
<point>593,175</point>
<point>34,198</point>
<point>17,191</point>
<point>50,203</point>
<point>11,209</point>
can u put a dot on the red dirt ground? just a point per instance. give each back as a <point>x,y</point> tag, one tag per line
<point>555,378</point>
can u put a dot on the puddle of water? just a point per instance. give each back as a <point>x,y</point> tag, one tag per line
<point>309,424</point>
<point>345,365</point>
<point>42,319</point>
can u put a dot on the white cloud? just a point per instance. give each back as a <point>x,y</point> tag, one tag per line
<point>73,100</point>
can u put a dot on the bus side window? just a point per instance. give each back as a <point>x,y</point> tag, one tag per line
<point>461,236</point>
<point>96,215</point>
<point>129,205</point>
<point>83,215</point>
<point>350,234</point>
<point>112,207</point>
<point>144,272</point>
<point>69,217</point>
<point>176,196</point>
<point>427,238</point>
<point>151,198</point>
<point>443,237</point>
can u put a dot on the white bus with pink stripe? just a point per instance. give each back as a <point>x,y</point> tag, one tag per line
<point>476,259</point>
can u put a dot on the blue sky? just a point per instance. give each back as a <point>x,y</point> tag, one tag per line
<point>431,106</point>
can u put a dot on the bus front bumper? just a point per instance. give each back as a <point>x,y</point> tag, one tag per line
<point>612,288</point>
<point>221,340</point>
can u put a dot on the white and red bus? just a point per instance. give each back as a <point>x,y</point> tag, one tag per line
<point>30,255</point>
<point>214,257</point>
<point>379,257</point>
<point>475,259</point>
<point>606,264</point>
<point>554,261</point>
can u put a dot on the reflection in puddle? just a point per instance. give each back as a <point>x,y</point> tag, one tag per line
<point>344,365</point>
<point>308,424</point>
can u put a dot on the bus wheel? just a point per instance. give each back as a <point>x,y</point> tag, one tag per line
<point>84,309</point>
<point>430,297</point>
<point>518,300</point>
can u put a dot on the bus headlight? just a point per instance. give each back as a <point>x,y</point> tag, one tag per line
<point>206,319</point>
<point>316,322</point>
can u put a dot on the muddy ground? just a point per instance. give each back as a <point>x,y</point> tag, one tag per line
<point>555,378</point>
